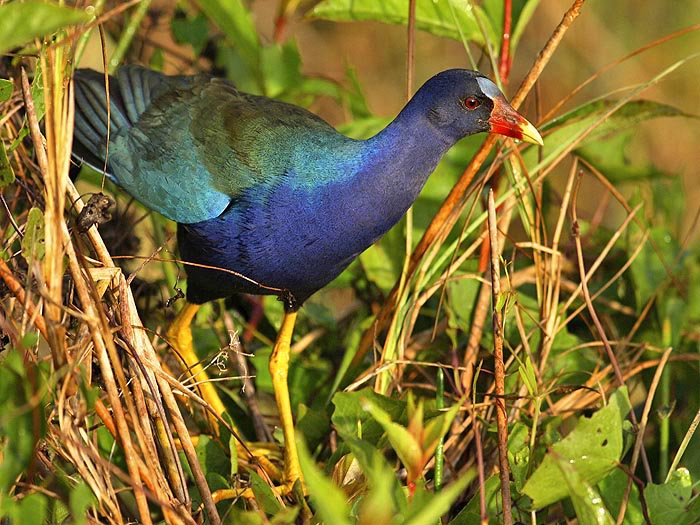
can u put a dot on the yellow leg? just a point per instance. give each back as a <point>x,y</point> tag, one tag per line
<point>180,337</point>
<point>279,366</point>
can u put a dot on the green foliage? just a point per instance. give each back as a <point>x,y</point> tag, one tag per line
<point>22,22</point>
<point>583,458</point>
<point>33,243</point>
<point>6,88</point>
<point>457,19</point>
<point>7,175</point>
<point>673,501</point>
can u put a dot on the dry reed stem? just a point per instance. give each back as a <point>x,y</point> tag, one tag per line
<point>499,369</point>
<point>75,446</point>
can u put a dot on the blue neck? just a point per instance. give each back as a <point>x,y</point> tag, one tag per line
<point>396,164</point>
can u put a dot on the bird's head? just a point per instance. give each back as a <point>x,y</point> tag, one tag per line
<point>462,102</point>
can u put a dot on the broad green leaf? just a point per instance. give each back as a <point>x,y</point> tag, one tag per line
<point>385,493</point>
<point>593,449</point>
<point>212,456</point>
<point>22,22</point>
<point>380,262</point>
<point>523,18</point>
<point>434,16</point>
<point>520,14</point>
<point>6,87</point>
<point>461,295</point>
<point>588,504</point>
<point>437,427</point>
<point>33,509</point>
<point>672,502</point>
<point>329,501</point>
<point>22,419</point>
<point>519,453</point>
<point>281,68</point>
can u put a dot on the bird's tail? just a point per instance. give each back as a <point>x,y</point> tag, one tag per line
<point>130,93</point>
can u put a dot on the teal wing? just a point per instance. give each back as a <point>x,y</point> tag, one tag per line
<point>152,152</point>
<point>188,146</point>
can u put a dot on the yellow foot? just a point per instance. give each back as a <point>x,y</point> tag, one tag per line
<point>247,493</point>
<point>179,336</point>
<point>279,367</point>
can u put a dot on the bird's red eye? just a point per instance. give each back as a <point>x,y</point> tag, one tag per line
<point>471,103</point>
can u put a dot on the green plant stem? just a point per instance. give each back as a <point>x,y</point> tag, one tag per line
<point>665,394</point>
<point>439,450</point>
<point>128,34</point>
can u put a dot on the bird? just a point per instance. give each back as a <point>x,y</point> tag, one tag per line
<point>268,197</point>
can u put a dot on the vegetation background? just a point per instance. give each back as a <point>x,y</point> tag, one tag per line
<point>600,280</point>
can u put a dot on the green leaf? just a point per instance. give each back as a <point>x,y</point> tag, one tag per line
<point>385,493</point>
<point>281,68</point>
<point>33,509</point>
<point>471,513</point>
<point>431,509</point>
<point>672,502</point>
<point>22,22</point>
<point>235,21</point>
<point>22,409</point>
<point>7,176</point>
<point>647,270</point>
<point>380,262</point>
<point>212,456</point>
<point>6,88</point>
<point>593,449</point>
<point>350,417</point>
<point>519,453</point>
<point>435,16</point>
<point>588,505</point>
<point>264,495</point>
<point>523,17</point>
<point>437,427</point>
<point>193,31</point>
<point>521,13</point>
<point>613,489</point>
<point>80,499</point>
<point>405,444</point>
<point>33,242</point>
<point>329,501</point>
<point>461,296</point>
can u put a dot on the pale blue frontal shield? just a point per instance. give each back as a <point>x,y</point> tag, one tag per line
<point>488,88</point>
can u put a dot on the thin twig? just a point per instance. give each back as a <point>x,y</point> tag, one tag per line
<point>499,368</point>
